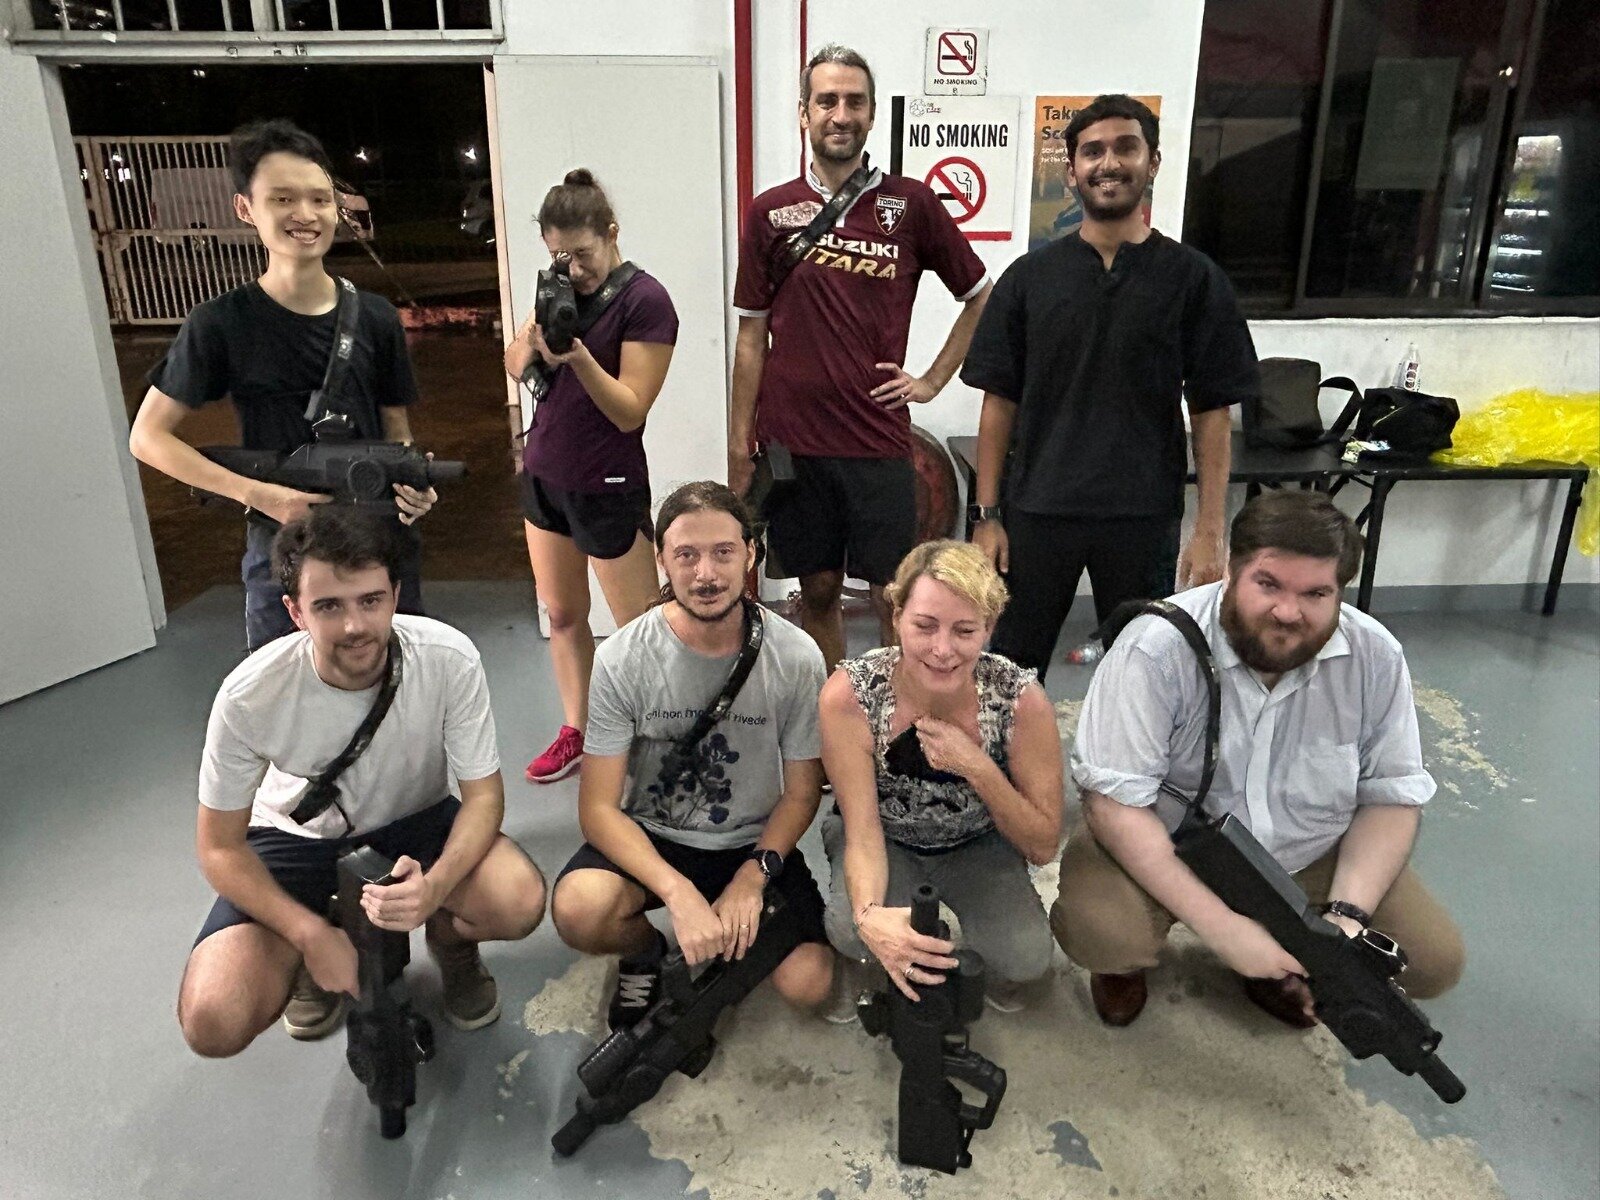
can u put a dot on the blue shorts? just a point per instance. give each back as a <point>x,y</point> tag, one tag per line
<point>305,867</point>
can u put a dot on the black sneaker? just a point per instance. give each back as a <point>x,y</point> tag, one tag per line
<point>638,985</point>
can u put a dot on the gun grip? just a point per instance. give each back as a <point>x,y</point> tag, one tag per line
<point>925,910</point>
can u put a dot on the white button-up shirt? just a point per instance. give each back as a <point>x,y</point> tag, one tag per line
<point>1294,763</point>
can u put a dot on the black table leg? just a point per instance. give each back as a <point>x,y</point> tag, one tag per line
<point>1369,560</point>
<point>1558,561</point>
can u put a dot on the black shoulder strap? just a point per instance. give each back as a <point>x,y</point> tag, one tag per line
<point>327,399</point>
<point>1352,407</point>
<point>797,247</point>
<point>537,375</point>
<point>1195,636</point>
<point>754,634</point>
<point>323,791</point>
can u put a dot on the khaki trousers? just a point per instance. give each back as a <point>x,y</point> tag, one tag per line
<point>1109,925</point>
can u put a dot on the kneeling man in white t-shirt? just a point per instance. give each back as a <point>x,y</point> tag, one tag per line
<point>281,718</point>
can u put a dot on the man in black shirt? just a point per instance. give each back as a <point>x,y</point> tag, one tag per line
<point>267,346</point>
<point>1083,355</point>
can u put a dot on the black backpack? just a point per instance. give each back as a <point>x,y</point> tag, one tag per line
<point>1414,424</point>
<point>1284,415</point>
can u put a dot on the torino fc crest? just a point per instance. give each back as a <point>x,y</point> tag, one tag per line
<point>890,211</point>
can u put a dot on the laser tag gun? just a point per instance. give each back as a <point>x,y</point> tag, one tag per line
<point>352,470</point>
<point>385,1040</point>
<point>930,1040</point>
<point>630,1066</point>
<point>1352,979</point>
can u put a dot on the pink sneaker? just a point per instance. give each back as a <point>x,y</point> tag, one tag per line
<point>562,758</point>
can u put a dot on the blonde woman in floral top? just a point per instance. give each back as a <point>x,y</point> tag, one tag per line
<point>969,795</point>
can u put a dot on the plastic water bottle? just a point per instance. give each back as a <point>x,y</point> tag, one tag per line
<point>1085,655</point>
<point>1405,375</point>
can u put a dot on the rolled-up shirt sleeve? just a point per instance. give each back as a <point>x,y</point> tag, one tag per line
<point>1124,744</point>
<point>1391,745</point>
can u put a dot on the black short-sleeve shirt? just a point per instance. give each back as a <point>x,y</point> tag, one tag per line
<point>1098,363</point>
<point>246,345</point>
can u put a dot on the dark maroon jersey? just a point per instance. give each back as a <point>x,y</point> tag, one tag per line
<point>845,307</point>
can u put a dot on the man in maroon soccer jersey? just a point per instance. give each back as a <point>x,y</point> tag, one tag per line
<point>819,363</point>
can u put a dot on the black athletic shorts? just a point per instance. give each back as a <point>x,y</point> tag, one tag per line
<point>603,524</point>
<point>858,515</point>
<point>305,866</point>
<point>711,871</point>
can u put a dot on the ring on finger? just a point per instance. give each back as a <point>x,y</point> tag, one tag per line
<point>909,968</point>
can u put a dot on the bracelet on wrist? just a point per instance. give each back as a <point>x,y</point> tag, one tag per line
<point>1343,908</point>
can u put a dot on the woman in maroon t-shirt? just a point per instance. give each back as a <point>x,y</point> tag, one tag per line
<point>585,485</point>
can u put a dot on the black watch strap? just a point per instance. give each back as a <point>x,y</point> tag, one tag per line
<point>977,513</point>
<point>1343,908</point>
<point>770,862</point>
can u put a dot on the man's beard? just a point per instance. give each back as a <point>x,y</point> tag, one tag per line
<point>1252,648</point>
<point>1102,211</point>
<point>821,149</point>
<point>713,617</point>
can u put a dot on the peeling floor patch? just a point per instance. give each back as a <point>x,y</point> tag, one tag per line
<point>1203,1097</point>
<point>1073,1147</point>
<point>1454,747</point>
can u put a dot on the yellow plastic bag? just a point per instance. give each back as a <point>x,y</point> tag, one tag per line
<point>1534,426</point>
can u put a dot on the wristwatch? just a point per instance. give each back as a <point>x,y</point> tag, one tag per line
<point>770,862</point>
<point>978,513</point>
<point>1343,908</point>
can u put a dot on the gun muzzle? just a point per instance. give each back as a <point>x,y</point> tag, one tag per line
<point>445,471</point>
<point>925,910</point>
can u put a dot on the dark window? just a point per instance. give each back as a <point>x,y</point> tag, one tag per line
<point>1399,156</point>
<point>1255,117</point>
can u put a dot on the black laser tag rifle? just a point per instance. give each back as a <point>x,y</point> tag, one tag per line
<point>352,470</point>
<point>385,1040</point>
<point>930,1040</point>
<point>1352,979</point>
<point>629,1067</point>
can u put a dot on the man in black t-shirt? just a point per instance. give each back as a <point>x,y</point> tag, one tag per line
<point>267,346</point>
<point>1085,353</point>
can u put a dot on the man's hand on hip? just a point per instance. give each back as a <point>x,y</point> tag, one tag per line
<point>902,389</point>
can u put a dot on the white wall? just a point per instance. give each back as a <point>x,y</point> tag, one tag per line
<point>73,536</point>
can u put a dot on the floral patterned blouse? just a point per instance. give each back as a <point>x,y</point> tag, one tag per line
<point>917,813</point>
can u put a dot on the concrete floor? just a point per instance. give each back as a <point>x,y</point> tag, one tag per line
<point>99,1097</point>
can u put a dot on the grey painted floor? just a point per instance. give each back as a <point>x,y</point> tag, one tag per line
<point>99,1098</point>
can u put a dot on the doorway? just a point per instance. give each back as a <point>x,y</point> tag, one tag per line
<point>410,150</point>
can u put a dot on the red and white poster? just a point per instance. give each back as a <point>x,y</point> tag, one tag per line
<point>965,149</point>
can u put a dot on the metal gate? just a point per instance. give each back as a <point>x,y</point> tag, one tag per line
<point>162,214</point>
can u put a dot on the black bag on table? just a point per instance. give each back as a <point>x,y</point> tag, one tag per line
<point>1284,414</point>
<point>1415,424</point>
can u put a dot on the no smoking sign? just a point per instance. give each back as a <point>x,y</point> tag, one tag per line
<point>965,150</point>
<point>960,186</point>
<point>957,62</point>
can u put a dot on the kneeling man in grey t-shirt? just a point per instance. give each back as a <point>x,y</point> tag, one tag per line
<point>702,835</point>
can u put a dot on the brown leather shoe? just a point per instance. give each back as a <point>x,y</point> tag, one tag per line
<point>1119,999</point>
<point>1286,999</point>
